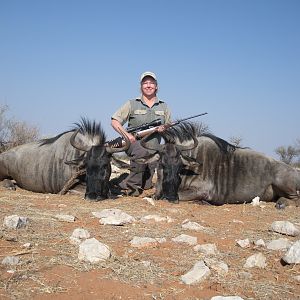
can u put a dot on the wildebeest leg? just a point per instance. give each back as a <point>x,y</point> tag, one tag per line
<point>8,184</point>
<point>194,195</point>
<point>158,185</point>
<point>283,202</point>
<point>72,181</point>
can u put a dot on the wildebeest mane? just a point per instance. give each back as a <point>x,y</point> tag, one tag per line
<point>90,129</point>
<point>185,130</point>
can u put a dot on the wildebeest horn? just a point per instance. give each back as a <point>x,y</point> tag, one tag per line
<point>77,145</point>
<point>157,148</point>
<point>124,148</point>
<point>190,147</point>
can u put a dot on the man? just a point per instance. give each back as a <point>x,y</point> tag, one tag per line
<point>143,109</point>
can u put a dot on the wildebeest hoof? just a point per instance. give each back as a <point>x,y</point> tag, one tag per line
<point>8,184</point>
<point>174,201</point>
<point>94,198</point>
<point>281,204</point>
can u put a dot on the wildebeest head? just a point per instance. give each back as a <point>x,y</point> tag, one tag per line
<point>90,138</point>
<point>171,161</point>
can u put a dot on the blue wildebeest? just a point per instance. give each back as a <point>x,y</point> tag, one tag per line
<point>53,165</point>
<point>197,166</point>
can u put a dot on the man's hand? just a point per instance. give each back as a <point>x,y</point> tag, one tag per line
<point>131,137</point>
<point>162,128</point>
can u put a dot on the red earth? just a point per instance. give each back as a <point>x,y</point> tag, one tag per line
<point>50,268</point>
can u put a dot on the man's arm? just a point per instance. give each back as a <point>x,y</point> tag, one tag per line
<point>119,118</point>
<point>117,126</point>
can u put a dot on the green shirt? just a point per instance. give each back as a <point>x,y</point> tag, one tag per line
<point>136,112</point>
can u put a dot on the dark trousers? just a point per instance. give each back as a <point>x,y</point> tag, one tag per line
<point>140,176</point>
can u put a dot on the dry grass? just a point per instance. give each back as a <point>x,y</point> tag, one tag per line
<point>38,272</point>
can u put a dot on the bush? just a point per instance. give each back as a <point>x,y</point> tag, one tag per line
<point>288,154</point>
<point>14,133</point>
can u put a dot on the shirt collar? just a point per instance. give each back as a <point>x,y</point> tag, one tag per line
<point>140,98</point>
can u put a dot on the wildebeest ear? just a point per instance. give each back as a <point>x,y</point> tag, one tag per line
<point>189,161</point>
<point>148,160</point>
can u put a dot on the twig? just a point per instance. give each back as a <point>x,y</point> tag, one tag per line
<point>18,253</point>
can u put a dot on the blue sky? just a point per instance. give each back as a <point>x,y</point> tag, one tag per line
<point>237,60</point>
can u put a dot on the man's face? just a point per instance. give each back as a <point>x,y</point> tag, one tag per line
<point>149,86</point>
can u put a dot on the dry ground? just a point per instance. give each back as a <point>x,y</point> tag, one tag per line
<point>51,270</point>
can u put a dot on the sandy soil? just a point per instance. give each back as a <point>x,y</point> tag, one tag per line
<point>50,269</point>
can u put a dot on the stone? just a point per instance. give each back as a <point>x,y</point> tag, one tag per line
<point>285,227</point>
<point>113,216</point>
<point>93,251</point>
<point>198,273</point>
<point>186,239</point>
<point>78,235</point>
<point>15,222</point>
<point>65,218</point>
<point>194,226</point>
<point>243,243</point>
<point>140,242</point>
<point>10,260</point>
<point>279,244</point>
<point>207,249</point>
<point>292,256</point>
<point>256,260</point>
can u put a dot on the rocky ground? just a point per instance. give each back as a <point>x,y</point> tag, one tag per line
<point>48,266</point>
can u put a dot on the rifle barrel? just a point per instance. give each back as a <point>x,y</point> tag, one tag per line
<point>188,118</point>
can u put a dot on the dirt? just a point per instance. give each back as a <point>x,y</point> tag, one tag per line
<point>50,269</point>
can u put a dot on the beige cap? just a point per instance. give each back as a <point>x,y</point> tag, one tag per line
<point>151,74</point>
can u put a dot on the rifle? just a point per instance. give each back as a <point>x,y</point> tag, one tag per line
<point>145,129</point>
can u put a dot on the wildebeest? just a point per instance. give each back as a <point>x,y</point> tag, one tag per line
<point>49,165</point>
<point>215,171</point>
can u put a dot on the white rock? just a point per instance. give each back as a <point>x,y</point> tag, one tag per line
<point>255,201</point>
<point>226,298</point>
<point>207,249</point>
<point>260,243</point>
<point>65,218</point>
<point>285,227</point>
<point>15,222</point>
<point>257,260</point>
<point>146,241</point>
<point>146,263</point>
<point>156,218</point>
<point>297,278</point>
<point>184,238</point>
<point>198,273</point>
<point>243,243</point>
<point>113,216</point>
<point>193,226</point>
<point>10,260</point>
<point>78,235</point>
<point>93,251</point>
<point>81,233</point>
<point>279,244</point>
<point>293,254</point>
<point>27,245</point>
<point>218,266</point>
<point>149,200</point>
